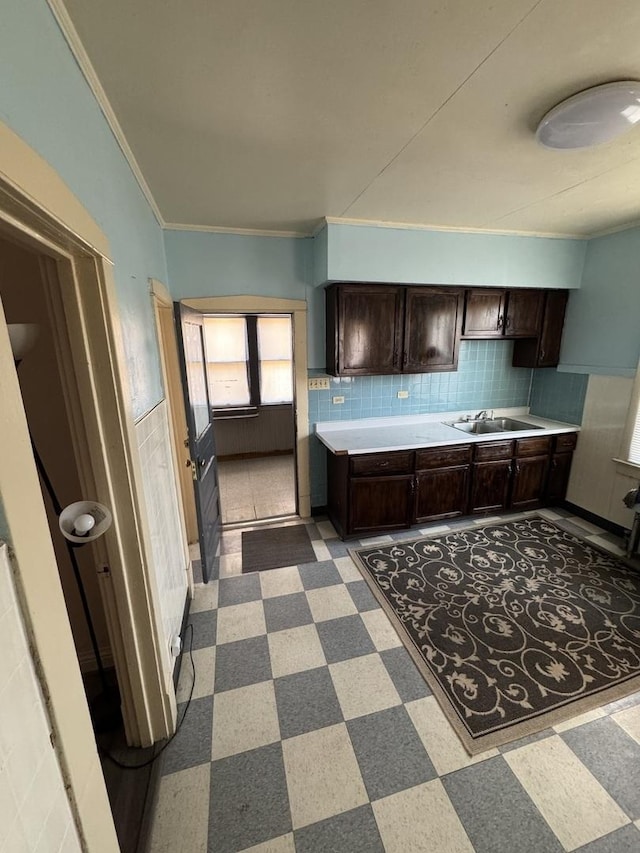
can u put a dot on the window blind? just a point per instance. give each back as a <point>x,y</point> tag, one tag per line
<point>634,447</point>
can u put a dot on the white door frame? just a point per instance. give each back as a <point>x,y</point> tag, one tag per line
<point>38,209</point>
<point>247,304</point>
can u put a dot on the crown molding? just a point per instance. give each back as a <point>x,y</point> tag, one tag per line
<point>616,229</point>
<point>415,226</point>
<point>82,58</point>
<point>243,232</point>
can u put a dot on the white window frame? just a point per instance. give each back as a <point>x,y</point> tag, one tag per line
<point>631,434</point>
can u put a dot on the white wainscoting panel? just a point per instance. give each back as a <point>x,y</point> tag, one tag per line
<point>165,522</point>
<point>595,483</point>
<point>34,809</point>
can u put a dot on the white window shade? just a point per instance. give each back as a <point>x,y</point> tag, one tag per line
<point>274,338</point>
<point>228,384</point>
<point>634,446</point>
<point>275,358</point>
<point>226,339</point>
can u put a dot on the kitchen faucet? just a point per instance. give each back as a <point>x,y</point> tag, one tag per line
<point>484,415</point>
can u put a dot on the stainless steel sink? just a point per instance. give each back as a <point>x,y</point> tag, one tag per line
<point>489,425</point>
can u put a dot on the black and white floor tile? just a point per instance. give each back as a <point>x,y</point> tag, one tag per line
<point>310,730</point>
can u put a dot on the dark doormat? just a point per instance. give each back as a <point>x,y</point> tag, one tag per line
<point>514,626</point>
<point>276,547</point>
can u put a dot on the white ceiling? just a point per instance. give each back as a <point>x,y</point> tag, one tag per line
<point>271,115</point>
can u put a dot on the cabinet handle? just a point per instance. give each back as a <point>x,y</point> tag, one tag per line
<point>542,354</point>
<point>405,359</point>
<point>500,321</point>
<point>508,322</point>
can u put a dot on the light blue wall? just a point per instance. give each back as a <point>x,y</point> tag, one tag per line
<point>601,332</point>
<point>367,253</point>
<point>45,100</point>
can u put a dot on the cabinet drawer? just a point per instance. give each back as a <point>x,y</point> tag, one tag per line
<point>533,446</point>
<point>443,457</point>
<point>566,441</point>
<point>494,450</point>
<point>383,463</point>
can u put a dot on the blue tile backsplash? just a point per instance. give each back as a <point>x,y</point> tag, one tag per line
<point>559,396</point>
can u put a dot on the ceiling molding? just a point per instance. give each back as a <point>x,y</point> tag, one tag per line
<point>628,226</point>
<point>406,226</point>
<point>77,49</point>
<point>245,232</point>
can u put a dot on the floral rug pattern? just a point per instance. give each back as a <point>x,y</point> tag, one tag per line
<point>511,620</point>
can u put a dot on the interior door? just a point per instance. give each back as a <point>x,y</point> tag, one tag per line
<point>193,366</point>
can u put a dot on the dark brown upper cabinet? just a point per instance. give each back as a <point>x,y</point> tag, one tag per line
<point>364,329</point>
<point>484,313</point>
<point>524,313</point>
<point>432,326</point>
<point>377,329</point>
<point>544,349</point>
<point>493,313</point>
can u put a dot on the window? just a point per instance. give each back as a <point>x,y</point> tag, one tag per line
<point>630,450</point>
<point>249,360</point>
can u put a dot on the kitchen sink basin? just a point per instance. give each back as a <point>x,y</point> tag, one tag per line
<point>489,425</point>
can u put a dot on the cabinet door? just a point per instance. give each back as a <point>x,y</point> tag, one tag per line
<point>529,480</point>
<point>364,329</point>
<point>484,313</point>
<point>442,493</point>
<point>558,479</point>
<point>490,485</point>
<point>380,503</point>
<point>433,320</point>
<point>544,349</point>
<point>524,313</point>
<point>551,336</point>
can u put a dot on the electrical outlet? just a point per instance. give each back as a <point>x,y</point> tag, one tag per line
<point>335,400</point>
<point>318,384</point>
<point>402,395</point>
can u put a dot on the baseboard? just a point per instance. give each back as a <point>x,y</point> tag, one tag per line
<point>611,526</point>
<point>254,454</point>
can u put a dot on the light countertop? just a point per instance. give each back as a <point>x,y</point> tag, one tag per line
<point>407,432</point>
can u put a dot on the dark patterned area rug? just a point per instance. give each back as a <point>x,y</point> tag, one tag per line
<point>515,626</point>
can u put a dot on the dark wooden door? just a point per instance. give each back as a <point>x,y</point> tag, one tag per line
<point>364,329</point>
<point>553,321</point>
<point>558,479</point>
<point>202,449</point>
<point>524,313</point>
<point>529,478</point>
<point>433,321</point>
<point>442,493</point>
<point>380,503</point>
<point>490,485</point>
<point>484,313</point>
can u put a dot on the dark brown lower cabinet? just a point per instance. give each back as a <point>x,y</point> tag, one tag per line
<point>374,492</point>
<point>381,503</point>
<point>490,485</point>
<point>442,482</point>
<point>529,478</point>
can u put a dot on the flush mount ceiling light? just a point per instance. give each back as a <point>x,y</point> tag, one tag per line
<point>591,117</point>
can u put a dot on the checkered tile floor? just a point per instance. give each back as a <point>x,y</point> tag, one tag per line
<point>310,730</point>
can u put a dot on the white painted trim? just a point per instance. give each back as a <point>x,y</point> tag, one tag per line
<point>605,232</point>
<point>243,232</point>
<point>414,226</point>
<point>82,58</point>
